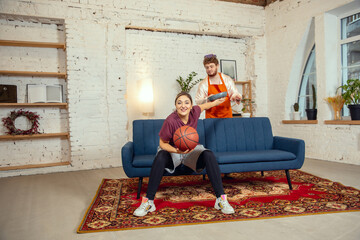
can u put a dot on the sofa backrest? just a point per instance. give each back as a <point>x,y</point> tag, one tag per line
<point>146,135</point>
<point>238,134</point>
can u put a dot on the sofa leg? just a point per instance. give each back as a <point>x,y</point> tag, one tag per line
<point>204,175</point>
<point>262,173</point>
<point>288,178</point>
<point>139,187</point>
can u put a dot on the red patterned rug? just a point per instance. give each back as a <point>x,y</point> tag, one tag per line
<point>190,200</point>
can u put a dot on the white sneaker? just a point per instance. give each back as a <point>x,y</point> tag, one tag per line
<point>145,207</point>
<point>223,205</point>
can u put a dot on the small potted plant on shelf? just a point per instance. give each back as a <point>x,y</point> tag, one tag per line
<point>188,83</point>
<point>351,94</point>
<point>246,110</point>
<point>296,113</point>
<point>312,113</point>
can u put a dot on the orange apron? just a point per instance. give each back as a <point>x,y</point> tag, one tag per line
<point>223,110</point>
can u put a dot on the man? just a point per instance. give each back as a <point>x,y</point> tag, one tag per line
<point>214,83</point>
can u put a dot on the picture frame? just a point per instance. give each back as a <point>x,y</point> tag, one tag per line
<point>8,93</point>
<point>228,67</point>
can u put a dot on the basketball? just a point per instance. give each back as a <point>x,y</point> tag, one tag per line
<point>186,138</point>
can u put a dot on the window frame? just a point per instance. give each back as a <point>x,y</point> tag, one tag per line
<point>345,111</point>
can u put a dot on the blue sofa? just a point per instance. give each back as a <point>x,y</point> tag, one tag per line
<point>239,144</point>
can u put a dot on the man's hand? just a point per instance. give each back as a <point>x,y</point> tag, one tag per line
<point>236,97</point>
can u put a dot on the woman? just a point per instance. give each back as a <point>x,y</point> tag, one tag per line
<point>169,157</point>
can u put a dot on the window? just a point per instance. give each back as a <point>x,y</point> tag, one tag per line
<point>305,97</point>
<point>350,49</point>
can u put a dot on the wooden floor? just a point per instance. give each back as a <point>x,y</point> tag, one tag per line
<point>51,207</point>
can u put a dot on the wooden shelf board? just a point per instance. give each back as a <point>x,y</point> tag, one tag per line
<point>343,122</point>
<point>34,136</point>
<point>242,82</point>
<point>29,73</point>
<point>299,121</point>
<point>42,165</point>
<point>32,44</point>
<point>59,105</point>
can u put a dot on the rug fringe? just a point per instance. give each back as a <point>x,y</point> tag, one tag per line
<point>231,220</point>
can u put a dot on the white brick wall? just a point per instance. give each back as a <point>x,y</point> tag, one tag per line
<point>286,22</point>
<point>97,61</point>
<point>162,57</point>
<point>52,120</point>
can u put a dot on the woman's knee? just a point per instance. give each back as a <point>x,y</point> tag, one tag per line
<point>162,158</point>
<point>162,154</point>
<point>208,155</point>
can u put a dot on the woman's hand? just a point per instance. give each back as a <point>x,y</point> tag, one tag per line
<point>207,98</point>
<point>219,101</point>
<point>183,152</point>
<point>214,103</point>
<point>167,147</point>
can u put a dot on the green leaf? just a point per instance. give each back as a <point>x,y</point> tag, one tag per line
<point>188,83</point>
<point>351,91</point>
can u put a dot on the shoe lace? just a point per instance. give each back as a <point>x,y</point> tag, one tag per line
<point>225,203</point>
<point>145,206</point>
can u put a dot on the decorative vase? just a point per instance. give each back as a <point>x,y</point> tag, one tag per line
<point>337,103</point>
<point>296,115</point>
<point>337,115</point>
<point>337,111</point>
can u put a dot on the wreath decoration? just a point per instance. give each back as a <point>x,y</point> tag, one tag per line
<point>9,122</point>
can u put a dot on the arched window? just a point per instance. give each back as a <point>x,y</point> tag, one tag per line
<point>305,96</point>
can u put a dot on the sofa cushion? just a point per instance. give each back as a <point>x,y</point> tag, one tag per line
<point>143,160</point>
<point>238,134</point>
<point>229,157</point>
<point>253,156</point>
<point>146,135</point>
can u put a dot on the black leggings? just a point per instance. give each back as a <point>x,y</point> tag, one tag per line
<point>163,160</point>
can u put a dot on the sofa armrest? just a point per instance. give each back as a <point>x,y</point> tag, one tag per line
<point>293,145</point>
<point>127,156</point>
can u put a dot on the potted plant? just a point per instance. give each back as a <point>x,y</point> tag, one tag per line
<point>188,83</point>
<point>246,110</point>
<point>312,113</point>
<point>351,95</point>
<point>296,113</point>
